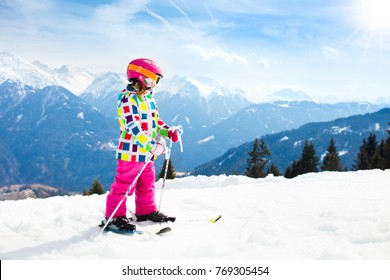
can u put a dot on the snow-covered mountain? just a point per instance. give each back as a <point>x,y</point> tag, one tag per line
<point>197,87</point>
<point>39,75</point>
<point>12,93</point>
<point>75,79</point>
<point>289,94</point>
<point>198,102</point>
<point>103,92</point>
<point>53,137</point>
<point>286,146</point>
<point>18,69</point>
<point>258,120</point>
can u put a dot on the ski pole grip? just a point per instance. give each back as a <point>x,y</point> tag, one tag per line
<point>180,131</point>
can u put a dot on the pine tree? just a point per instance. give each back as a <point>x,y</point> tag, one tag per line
<point>292,170</point>
<point>288,172</point>
<point>331,160</point>
<point>257,160</point>
<point>96,188</point>
<point>378,159</point>
<point>386,152</point>
<point>372,145</point>
<point>171,174</point>
<point>308,161</point>
<point>273,170</point>
<point>365,157</point>
<point>362,161</point>
<point>381,158</point>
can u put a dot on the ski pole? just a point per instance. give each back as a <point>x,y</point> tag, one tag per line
<point>167,157</point>
<point>127,193</point>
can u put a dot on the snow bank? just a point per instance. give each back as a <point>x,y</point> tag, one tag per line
<point>314,216</point>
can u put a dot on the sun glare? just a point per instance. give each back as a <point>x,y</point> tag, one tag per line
<point>373,16</point>
<point>371,19</point>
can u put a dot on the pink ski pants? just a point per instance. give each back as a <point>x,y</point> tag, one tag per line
<point>144,188</point>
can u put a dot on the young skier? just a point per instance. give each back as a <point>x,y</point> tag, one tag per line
<point>140,126</point>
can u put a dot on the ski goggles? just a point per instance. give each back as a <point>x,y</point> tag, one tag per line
<point>151,79</point>
<point>151,83</point>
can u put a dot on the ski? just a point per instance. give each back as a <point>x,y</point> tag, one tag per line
<point>160,231</point>
<point>163,231</point>
<point>124,232</point>
<point>215,219</point>
<point>211,220</point>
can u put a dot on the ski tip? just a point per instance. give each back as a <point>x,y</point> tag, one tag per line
<point>163,230</point>
<point>214,220</point>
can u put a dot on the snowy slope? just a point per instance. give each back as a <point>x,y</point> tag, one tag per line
<point>314,216</point>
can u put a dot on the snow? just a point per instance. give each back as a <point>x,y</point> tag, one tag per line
<point>16,68</point>
<point>80,115</point>
<point>19,117</point>
<point>297,143</point>
<point>207,139</point>
<point>340,130</point>
<point>284,105</point>
<point>325,215</point>
<point>39,75</point>
<point>105,85</point>
<point>110,146</point>
<point>197,87</point>
<point>343,152</point>
<point>288,94</point>
<point>205,89</point>
<point>284,138</point>
<point>74,78</point>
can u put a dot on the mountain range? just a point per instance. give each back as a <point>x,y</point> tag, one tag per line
<point>286,146</point>
<point>54,135</point>
<point>39,75</point>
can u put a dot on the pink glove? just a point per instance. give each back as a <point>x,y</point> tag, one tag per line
<point>173,135</point>
<point>158,149</point>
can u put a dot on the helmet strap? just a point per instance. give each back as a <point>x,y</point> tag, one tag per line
<point>144,71</point>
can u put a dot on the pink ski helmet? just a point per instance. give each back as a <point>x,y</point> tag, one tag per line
<point>144,70</point>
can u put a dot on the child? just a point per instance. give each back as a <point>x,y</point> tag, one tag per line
<point>140,125</point>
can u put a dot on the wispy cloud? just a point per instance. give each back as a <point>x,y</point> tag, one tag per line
<point>216,53</point>
<point>330,53</point>
<point>213,20</point>
<point>184,14</point>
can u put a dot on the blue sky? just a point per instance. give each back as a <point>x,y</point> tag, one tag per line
<point>335,47</point>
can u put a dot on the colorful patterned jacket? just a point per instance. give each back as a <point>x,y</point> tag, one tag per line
<point>140,125</point>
